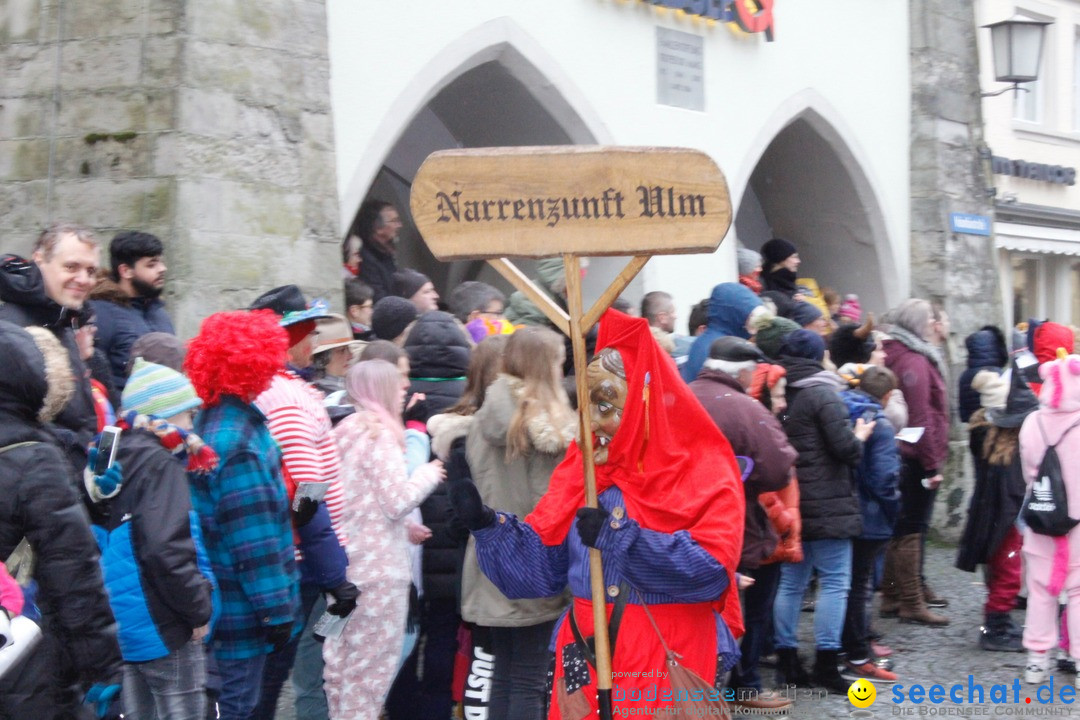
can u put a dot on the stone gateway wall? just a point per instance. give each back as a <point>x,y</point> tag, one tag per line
<point>206,122</point>
<point>949,174</point>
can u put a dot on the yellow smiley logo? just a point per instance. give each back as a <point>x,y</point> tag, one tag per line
<point>862,693</point>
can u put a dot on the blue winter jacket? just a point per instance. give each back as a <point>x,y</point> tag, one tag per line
<point>121,321</point>
<point>986,351</point>
<point>156,570</point>
<point>877,477</point>
<point>729,307</point>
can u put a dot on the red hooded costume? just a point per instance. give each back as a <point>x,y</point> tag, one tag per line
<point>676,471</point>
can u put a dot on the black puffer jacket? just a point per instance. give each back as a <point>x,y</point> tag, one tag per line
<point>25,303</point>
<point>438,359</point>
<point>986,350</point>
<point>37,502</point>
<point>444,551</point>
<point>818,427</point>
<point>148,525</point>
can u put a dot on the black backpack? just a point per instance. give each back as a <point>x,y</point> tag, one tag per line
<point>1046,507</point>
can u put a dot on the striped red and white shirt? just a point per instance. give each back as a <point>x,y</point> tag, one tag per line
<point>298,422</point>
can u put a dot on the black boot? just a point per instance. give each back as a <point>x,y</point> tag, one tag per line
<point>997,634</point>
<point>827,672</point>
<point>789,669</point>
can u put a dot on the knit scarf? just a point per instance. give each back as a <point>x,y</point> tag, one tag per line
<point>916,344</point>
<point>185,446</point>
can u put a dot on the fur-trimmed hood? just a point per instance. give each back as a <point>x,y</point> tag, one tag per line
<point>500,403</point>
<point>107,289</point>
<point>36,381</point>
<point>444,429</point>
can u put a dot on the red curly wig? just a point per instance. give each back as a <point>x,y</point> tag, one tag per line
<point>236,353</point>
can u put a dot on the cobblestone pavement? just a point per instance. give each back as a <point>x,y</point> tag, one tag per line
<point>923,656</point>
<point>945,656</point>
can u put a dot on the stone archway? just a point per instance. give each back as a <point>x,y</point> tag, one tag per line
<point>495,97</point>
<point>809,188</point>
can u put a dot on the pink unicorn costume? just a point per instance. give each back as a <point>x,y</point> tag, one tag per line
<point>1053,563</point>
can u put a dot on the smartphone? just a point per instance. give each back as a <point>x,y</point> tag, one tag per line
<point>869,415</point>
<point>107,447</point>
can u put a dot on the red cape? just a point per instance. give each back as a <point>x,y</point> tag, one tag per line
<point>676,470</point>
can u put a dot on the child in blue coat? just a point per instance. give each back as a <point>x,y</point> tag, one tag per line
<point>878,481</point>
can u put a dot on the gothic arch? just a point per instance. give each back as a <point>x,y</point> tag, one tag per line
<point>806,180</point>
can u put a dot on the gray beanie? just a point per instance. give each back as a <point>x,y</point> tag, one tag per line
<point>748,260</point>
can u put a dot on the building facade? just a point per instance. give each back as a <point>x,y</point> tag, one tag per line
<point>805,108</point>
<point>1033,152</point>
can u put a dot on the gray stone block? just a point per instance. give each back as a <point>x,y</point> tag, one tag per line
<point>162,61</point>
<point>246,209</point>
<point>165,16</point>
<point>117,156</point>
<point>114,203</point>
<point>22,213</point>
<point>318,130</point>
<point>137,109</point>
<point>317,171</point>
<point>28,70</point>
<point>103,19</point>
<point>321,219</point>
<point>201,111</point>
<point>26,159</point>
<point>293,26</point>
<point>20,21</point>
<point>98,64</point>
<point>26,117</point>
<point>245,160</point>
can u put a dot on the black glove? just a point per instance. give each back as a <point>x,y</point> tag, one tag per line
<point>278,636</point>
<point>469,508</point>
<point>590,521</point>
<point>305,510</point>
<point>457,467</point>
<point>344,596</point>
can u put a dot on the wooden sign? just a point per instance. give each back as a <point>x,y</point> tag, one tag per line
<point>594,200</point>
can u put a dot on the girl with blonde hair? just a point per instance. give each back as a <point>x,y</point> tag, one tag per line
<point>360,664</point>
<point>518,436</point>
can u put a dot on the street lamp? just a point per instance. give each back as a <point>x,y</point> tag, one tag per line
<point>1017,46</point>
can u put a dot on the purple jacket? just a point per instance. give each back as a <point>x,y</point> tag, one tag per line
<point>753,432</point>
<point>928,404</point>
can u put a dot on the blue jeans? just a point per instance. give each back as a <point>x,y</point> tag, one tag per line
<point>280,663</point>
<point>831,559</point>
<point>241,682</point>
<point>171,687</point>
<point>307,674</point>
<point>757,604</point>
<point>521,661</point>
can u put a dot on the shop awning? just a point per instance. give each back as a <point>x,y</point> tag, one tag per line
<point>1037,239</point>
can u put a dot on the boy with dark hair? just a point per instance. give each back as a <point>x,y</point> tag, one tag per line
<point>359,305</point>
<point>127,301</point>
<point>877,478</point>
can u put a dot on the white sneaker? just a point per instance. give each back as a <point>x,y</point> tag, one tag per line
<point>1037,668</point>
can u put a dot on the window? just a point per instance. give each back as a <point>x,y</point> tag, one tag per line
<point>1028,106</point>
<point>1076,82</point>
<point>1074,294</point>
<point>1025,288</point>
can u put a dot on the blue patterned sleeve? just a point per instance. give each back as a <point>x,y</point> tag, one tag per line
<point>253,518</point>
<point>513,557</point>
<point>657,563</point>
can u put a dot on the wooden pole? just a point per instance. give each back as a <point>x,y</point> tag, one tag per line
<point>596,570</point>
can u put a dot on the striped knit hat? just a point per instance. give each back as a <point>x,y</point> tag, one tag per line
<point>157,390</point>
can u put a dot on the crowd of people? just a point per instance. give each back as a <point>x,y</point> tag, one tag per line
<point>386,508</point>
